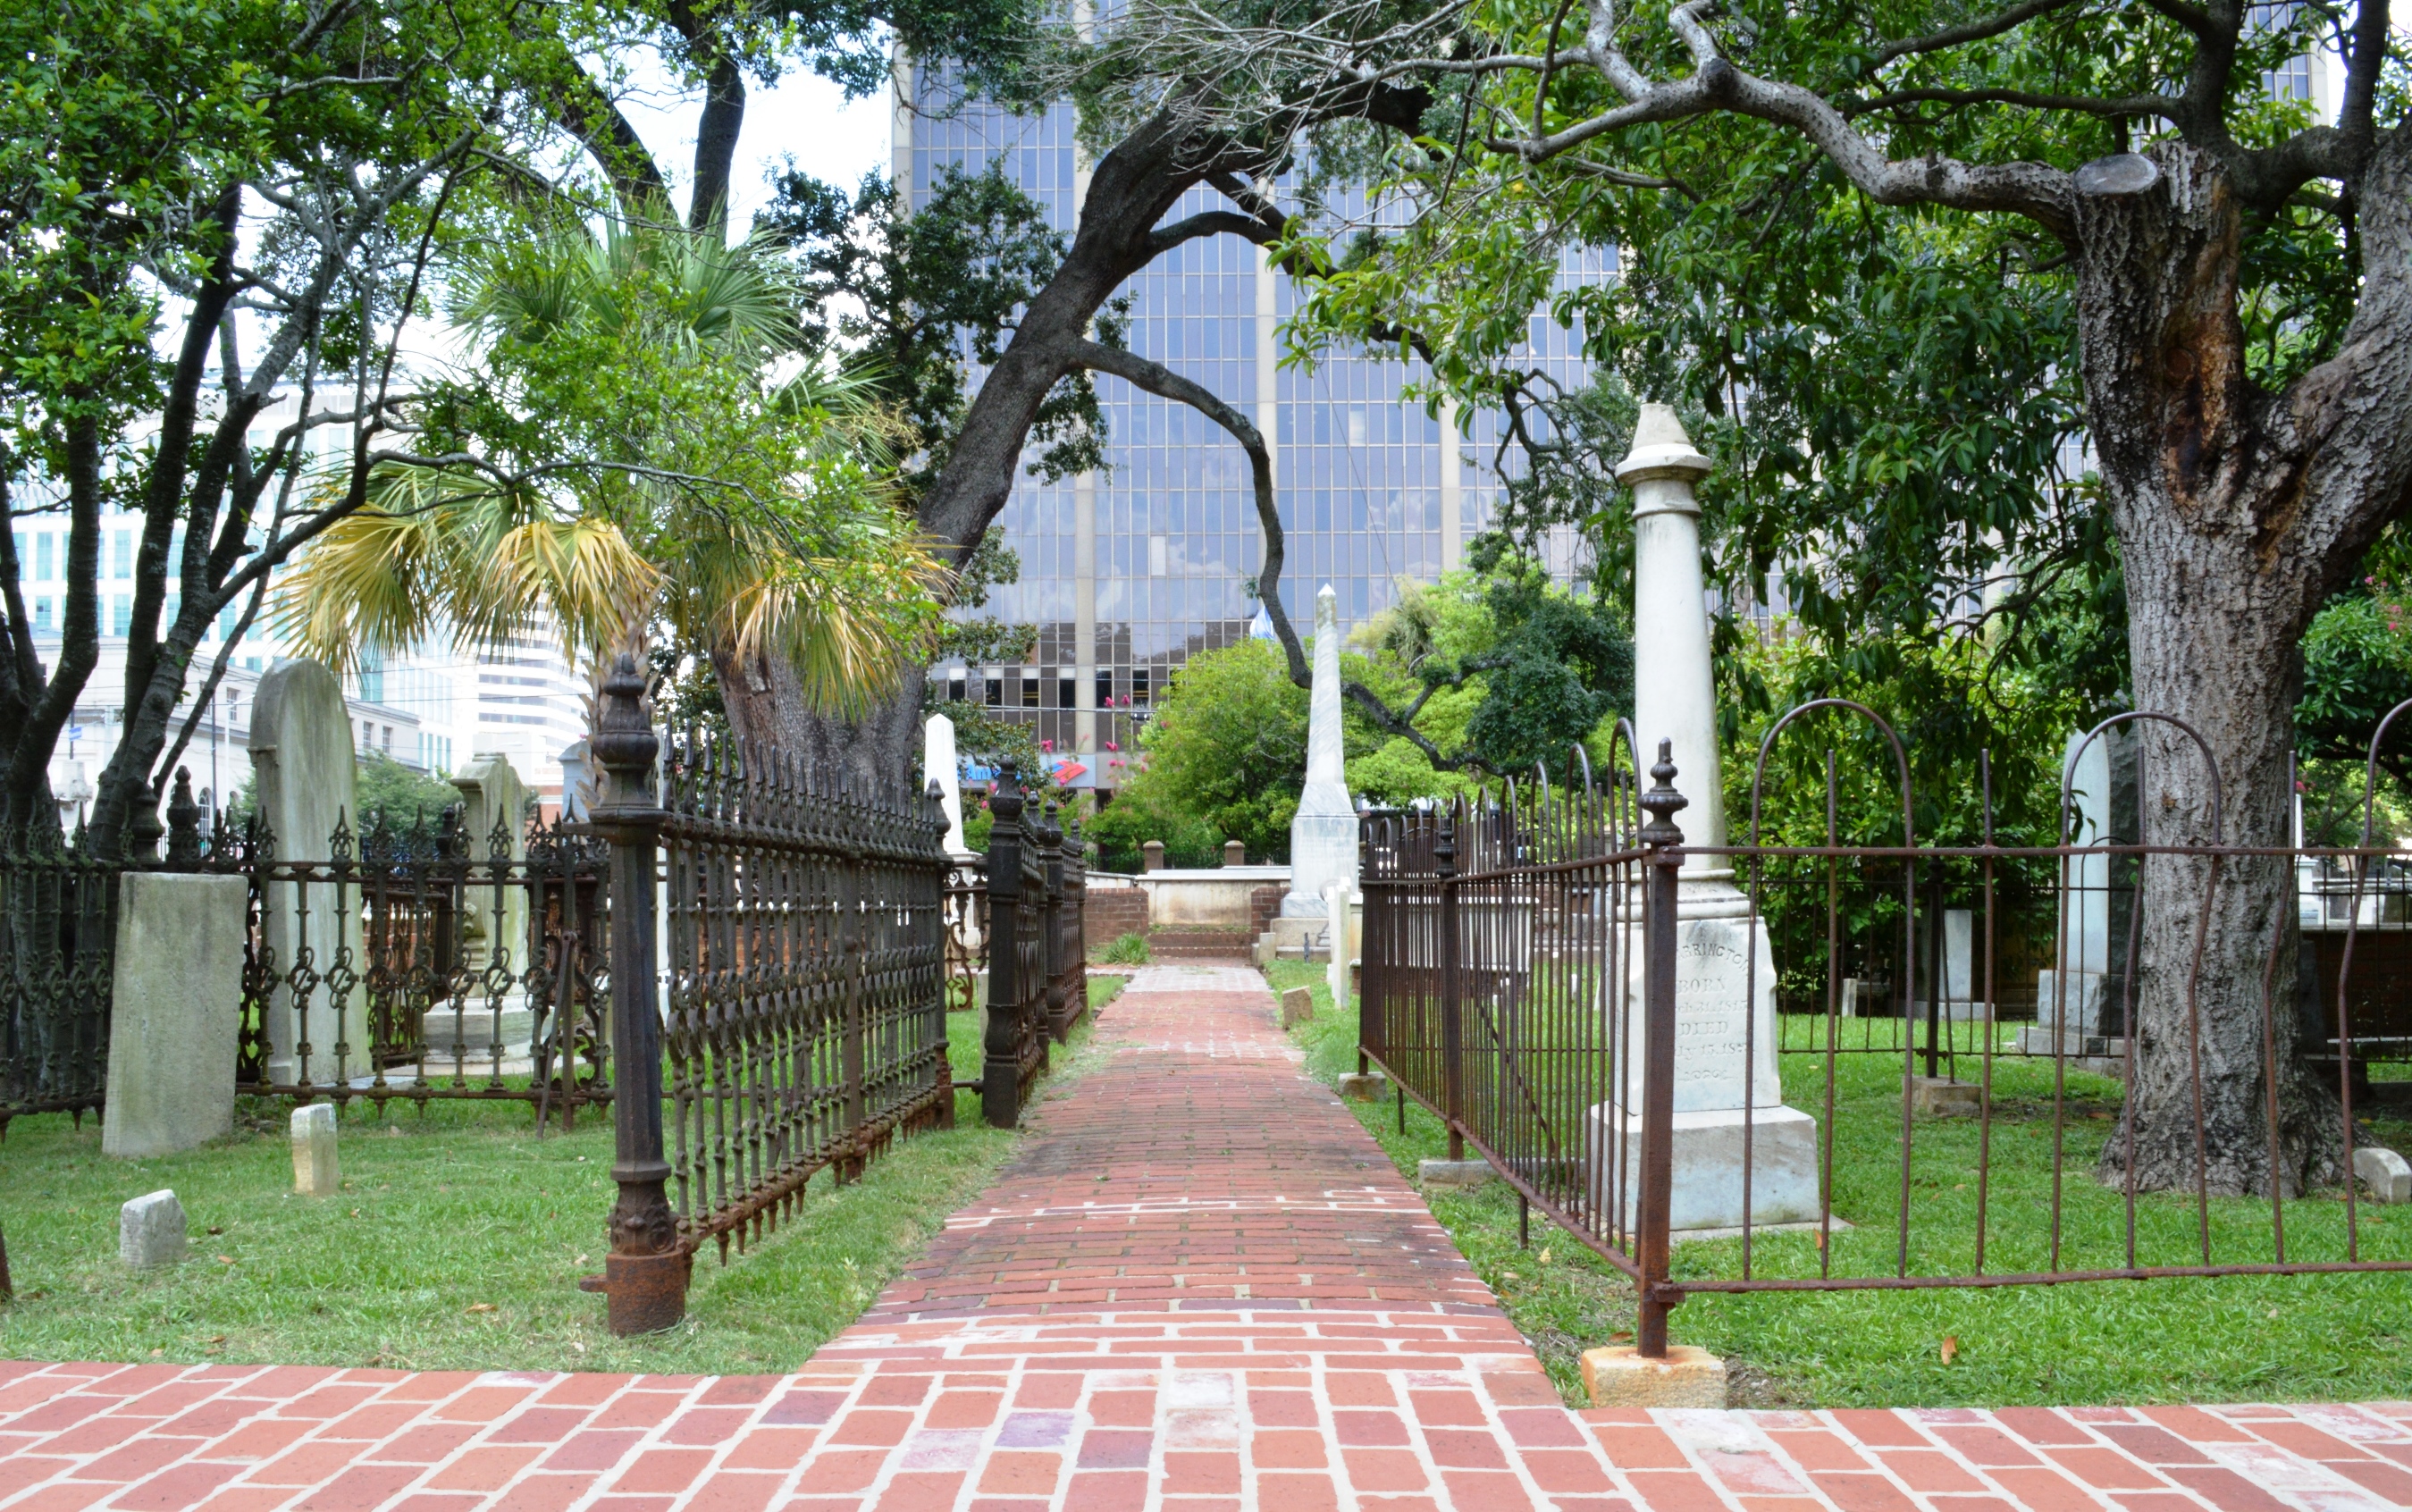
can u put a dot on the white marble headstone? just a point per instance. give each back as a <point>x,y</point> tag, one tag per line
<point>301,757</point>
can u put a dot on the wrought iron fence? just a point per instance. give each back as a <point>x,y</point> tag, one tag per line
<point>58,932</point>
<point>419,962</point>
<point>1588,1002</point>
<point>58,948</point>
<point>1022,981</point>
<point>966,930</point>
<point>1067,941</point>
<point>792,997</point>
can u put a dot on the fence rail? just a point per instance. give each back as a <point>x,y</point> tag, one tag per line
<point>1589,1003</point>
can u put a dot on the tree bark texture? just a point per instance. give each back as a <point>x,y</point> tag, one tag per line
<point>2237,512</point>
<point>1131,189</point>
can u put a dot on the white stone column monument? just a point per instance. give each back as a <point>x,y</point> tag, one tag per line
<point>1726,972</point>
<point>1323,835</point>
<point>939,765</point>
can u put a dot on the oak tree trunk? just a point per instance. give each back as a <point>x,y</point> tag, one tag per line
<point>2237,512</point>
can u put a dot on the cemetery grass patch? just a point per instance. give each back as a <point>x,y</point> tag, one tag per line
<point>456,1243</point>
<point>2234,1339</point>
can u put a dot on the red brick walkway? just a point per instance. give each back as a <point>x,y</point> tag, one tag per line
<point>1200,1288</point>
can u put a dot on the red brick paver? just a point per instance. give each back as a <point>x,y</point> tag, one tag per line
<point>1201,1287</point>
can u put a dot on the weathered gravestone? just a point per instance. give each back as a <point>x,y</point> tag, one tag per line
<point>151,1230</point>
<point>494,808</point>
<point>316,1173</point>
<point>176,1012</point>
<point>1297,1006</point>
<point>302,757</point>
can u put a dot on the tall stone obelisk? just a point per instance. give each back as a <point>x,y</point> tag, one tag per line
<point>1323,835</point>
<point>938,766</point>
<point>1725,991</point>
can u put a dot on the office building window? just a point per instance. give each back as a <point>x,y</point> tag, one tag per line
<point>1030,689</point>
<point>227,617</point>
<point>955,685</point>
<point>1105,687</point>
<point>1138,688</point>
<point>122,549</point>
<point>42,610</point>
<point>121,614</point>
<point>45,560</point>
<point>1067,689</point>
<point>995,689</point>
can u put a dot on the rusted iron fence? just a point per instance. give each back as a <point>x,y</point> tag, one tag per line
<point>1038,959</point>
<point>966,930</point>
<point>58,932</point>
<point>778,983</point>
<point>1588,1003</point>
<point>417,963</point>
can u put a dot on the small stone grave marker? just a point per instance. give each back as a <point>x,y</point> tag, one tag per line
<point>151,1230</point>
<point>315,1173</point>
<point>2386,1174</point>
<point>1298,1005</point>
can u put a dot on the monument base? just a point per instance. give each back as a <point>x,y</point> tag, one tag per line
<point>1322,851</point>
<point>1706,1190</point>
<point>1296,938</point>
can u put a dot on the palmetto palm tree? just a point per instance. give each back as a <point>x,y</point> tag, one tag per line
<point>624,451</point>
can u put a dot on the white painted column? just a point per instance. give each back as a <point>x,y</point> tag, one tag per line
<point>1267,356</point>
<point>1085,517</point>
<point>1674,692</point>
<point>900,130</point>
<point>1453,496</point>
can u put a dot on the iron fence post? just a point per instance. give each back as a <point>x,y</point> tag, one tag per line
<point>1051,863</point>
<point>1001,1038</point>
<point>645,1274</point>
<point>1452,1024</point>
<point>1650,1241</point>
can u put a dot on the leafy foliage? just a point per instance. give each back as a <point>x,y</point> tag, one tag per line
<point>1225,756</point>
<point>925,298</point>
<point>387,786</point>
<point>623,454</point>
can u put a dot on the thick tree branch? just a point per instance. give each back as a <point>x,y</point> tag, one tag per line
<point>1974,31</point>
<point>1206,223</point>
<point>1164,383</point>
<point>582,107</point>
<point>716,146</point>
<point>2133,105</point>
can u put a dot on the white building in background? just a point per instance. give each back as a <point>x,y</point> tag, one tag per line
<point>431,710</point>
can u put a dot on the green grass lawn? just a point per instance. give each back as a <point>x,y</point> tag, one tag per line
<point>2232,1339</point>
<point>456,1243</point>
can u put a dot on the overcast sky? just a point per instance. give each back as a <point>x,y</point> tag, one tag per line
<point>803,117</point>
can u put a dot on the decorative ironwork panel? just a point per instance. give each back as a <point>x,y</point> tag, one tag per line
<point>804,1019</point>
<point>426,964</point>
<point>58,928</point>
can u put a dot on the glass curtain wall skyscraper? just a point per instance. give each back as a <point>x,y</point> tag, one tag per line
<point>1130,571</point>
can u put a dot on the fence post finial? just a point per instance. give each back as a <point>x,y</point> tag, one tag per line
<point>1662,802</point>
<point>183,826</point>
<point>623,743</point>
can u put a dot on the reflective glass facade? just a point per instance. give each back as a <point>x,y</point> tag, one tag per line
<point>1130,571</point>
